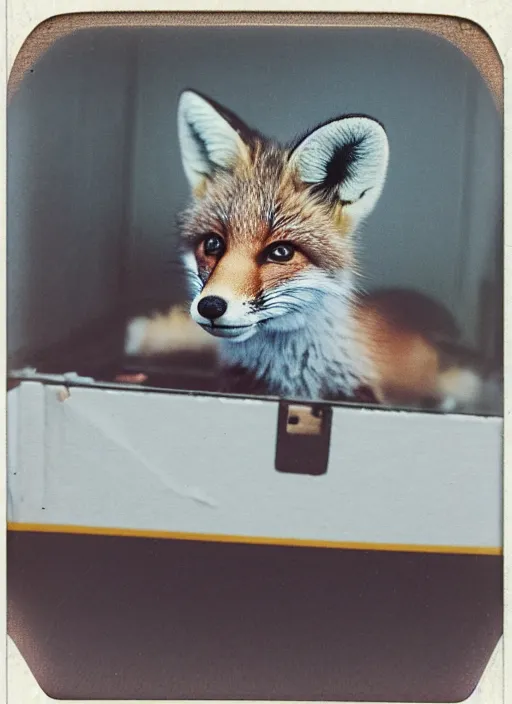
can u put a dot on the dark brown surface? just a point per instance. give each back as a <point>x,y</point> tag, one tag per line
<point>111,617</point>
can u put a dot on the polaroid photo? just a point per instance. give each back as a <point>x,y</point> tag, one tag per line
<point>255,352</point>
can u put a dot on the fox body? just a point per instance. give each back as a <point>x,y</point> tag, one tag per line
<point>269,243</point>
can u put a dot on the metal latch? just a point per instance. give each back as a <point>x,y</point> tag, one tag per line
<point>303,438</point>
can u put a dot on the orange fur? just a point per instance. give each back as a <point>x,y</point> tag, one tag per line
<point>164,333</point>
<point>240,272</point>
<point>406,366</point>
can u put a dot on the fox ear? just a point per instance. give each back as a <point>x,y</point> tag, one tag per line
<point>209,137</point>
<point>346,160</point>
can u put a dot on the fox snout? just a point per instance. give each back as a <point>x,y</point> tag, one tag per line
<point>224,315</point>
<point>227,284</point>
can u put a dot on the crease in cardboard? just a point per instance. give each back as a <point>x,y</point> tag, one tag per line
<point>193,493</point>
<point>10,504</point>
<point>45,450</point>
<point>13,453</point>
<point>31,450</point>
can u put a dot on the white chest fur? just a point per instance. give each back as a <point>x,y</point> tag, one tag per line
<point>321,358</point>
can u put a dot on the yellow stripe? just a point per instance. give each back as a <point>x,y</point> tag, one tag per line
<point>249,539</point>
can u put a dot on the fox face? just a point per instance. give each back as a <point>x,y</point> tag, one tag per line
<point>269,233</point>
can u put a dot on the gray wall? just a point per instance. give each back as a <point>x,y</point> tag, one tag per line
<point>96,179</point>
<point>67,160</point>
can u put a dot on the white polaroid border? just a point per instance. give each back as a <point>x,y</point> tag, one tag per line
<point>20,17</point>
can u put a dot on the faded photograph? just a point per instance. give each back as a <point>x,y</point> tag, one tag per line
<point>255,359</point>
<point>304,213</point>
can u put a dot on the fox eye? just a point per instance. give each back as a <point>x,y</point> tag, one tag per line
<point>213,245</point>
<point>280,252</point>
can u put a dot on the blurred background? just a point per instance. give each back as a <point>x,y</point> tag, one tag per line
<point>95,181</point>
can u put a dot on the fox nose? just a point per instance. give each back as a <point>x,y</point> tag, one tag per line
<point>212,307</point>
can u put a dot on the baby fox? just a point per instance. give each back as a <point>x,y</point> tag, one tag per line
<point>269,248</point>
